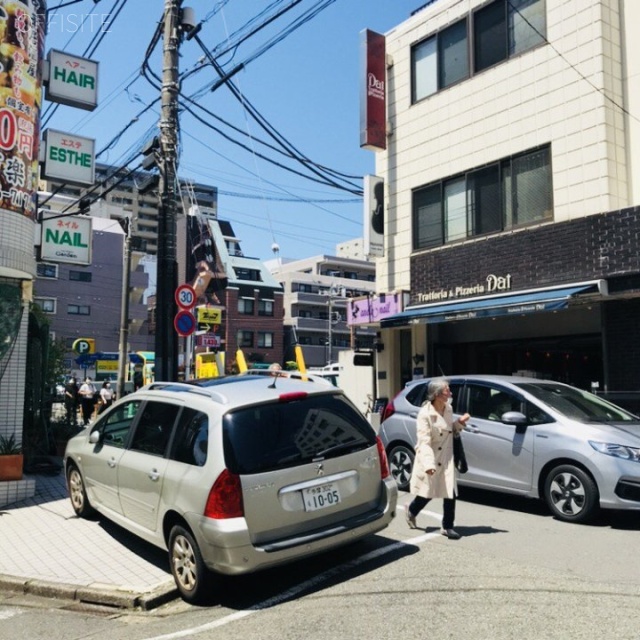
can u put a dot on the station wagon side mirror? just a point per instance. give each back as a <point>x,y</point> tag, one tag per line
<point>94,437</point>
<point>515,418</point>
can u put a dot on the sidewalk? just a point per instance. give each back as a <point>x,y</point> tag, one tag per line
<point>46,550</point>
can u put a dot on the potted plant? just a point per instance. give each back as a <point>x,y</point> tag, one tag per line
<point>11,458</point>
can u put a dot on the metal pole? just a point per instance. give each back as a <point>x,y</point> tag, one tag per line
<point>329,359</point>
<point>166,343</point>
<point>124,312</point>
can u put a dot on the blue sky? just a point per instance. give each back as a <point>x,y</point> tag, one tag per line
<point>306,86</point>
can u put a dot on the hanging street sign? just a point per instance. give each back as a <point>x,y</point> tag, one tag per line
<point>185,296</point>
<point>184,323</point>
<point>66,240</point>
<point>71,80</point>
<point>69,158</point>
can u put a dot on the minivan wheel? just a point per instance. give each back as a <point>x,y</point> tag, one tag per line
<point>401,464</point>
<point>571,494</point>
<point>192,577</point>
<point>78,493</point>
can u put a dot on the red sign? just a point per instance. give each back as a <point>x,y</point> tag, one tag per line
<point>185,296</point>
<point>373,95</point>
<point>209,340</point>
<point>184,323</point>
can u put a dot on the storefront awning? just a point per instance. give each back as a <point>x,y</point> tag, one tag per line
<point>550,299</point>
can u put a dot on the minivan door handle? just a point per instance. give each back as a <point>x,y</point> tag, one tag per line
<point>153,475</point>
<point>471,428</point>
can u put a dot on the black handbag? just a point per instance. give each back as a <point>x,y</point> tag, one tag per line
<point>459,459</point>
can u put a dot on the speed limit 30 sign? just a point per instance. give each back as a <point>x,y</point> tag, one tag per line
<point>185,296</point>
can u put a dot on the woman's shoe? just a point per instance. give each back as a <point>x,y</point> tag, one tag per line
<point>452,534</point>
<point>411,519</point>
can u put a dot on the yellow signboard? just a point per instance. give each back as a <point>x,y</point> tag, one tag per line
<point>209,315</point>
<point>106,366</point>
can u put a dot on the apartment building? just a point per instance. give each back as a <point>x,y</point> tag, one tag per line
<point>317,291</point>
<point>512,200</point>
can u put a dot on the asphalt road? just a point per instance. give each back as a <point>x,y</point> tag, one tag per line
<point>516,573</point>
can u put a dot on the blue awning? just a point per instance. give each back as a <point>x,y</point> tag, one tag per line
<point>550,299</point>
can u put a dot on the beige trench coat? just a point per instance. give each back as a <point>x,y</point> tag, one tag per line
<point>434,450</point>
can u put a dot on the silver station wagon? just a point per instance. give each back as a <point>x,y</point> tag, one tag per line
<point>233,474</point>
<point>531,437</point>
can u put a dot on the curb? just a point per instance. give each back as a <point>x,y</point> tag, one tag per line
<point>117,597</point>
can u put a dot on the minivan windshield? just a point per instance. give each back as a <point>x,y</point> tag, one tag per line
<point>276,435</point>
<point>577,404</point>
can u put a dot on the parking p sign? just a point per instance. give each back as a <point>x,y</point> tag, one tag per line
<point>84,346</point>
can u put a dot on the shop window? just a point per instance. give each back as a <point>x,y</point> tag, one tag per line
<point>513,192</point>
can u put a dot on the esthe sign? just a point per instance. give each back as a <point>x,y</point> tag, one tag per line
<point>67,240</point>
<point>185,296</point>
<point>71,80</point>
<point>69,158</point>
<point>184,323</point>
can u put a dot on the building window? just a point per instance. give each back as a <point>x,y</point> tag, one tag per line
<point>46,270</point>
<point>440,61</point>
<point>512,192</point>
<point>305,340</point>
<point>48,305</point>
<point>247,274</point>
<point>305,288</point>
<point>265,339</point>
<point>79,310</point>
<point>80,276</point>
<point>265,307</point>
<point>505,28</point>
<point>500,30</point>
<point>245,306</point>
<point>305,313</point>
<point>245,338</point>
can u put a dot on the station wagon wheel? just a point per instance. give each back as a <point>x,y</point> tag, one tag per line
<point>401,464</point>
<point>571,494</point>
<point>78,493</point>
<point>192,577</point>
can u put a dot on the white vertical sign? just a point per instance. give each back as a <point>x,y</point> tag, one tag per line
<point>373,216</point>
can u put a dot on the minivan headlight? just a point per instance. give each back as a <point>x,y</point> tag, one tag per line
<point>616,450</point>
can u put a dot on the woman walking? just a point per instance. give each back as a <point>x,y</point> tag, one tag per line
<point>434,474</point>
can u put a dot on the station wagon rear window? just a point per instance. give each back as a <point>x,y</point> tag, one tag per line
<point>278,435</point>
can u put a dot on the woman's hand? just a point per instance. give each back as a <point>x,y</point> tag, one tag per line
<point>463,419</point>
<point>430,472</point>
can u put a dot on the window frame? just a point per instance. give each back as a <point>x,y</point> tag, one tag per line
<point>79,308</point>
<point>42,299</point>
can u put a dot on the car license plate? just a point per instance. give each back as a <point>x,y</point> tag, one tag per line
<point>326,495</point>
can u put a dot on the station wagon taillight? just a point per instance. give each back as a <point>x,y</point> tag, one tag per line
<point>384,463</point>
<point>225,497</point>
<point>390,409</point>
<point>292,396</point>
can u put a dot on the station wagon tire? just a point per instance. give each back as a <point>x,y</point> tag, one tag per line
<point>78,493</point>
<point>192,577</point>
<point>571,494</point>
<point>401,458</point>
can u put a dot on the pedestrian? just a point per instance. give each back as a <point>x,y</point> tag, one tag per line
<point>71,401</point>
<point>106,396</point>
<point>434,474</point>
<point>87,395</point>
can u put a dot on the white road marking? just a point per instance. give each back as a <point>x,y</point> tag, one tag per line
<point>303,586</point>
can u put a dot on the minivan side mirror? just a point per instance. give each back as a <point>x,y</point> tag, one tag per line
<point>515,418</point>
<point>94,437</point>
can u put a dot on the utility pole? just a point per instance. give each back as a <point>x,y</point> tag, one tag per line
<point>123,349</point>
<point>166,344</point>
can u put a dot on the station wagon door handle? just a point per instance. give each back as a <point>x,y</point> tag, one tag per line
<point>471,428</point>
<point>153,475</point>
<point>112,462</point>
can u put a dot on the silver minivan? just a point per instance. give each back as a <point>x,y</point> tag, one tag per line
<point>531,437</point>
<point>233,474</point>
